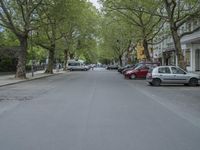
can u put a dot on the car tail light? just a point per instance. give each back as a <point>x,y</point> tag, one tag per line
<point>129,72</point>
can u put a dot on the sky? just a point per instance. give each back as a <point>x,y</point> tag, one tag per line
<point>95,3</point>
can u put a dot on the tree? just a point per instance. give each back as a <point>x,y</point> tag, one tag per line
<point>177,13</point>
<point>66,25</point>
<point>66,43</point>
<point>146,25</point>
<point>18,16</point>
<point>87,40</point>
<point>117,37</point>
<point>51,16</point>
<point>80,31</point>
<point>70,29</point>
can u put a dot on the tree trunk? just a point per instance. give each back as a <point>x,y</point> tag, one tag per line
<point>21,64</point>
<point>178,49</point>
<point>65,59</point>
<point>71,55</point>
<point>129,57</point>
<point>169,5</point>
<point>120,60</point>
<point>50,61</point>
<point>146,50</point>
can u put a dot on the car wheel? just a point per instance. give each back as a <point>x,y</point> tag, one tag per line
<point>156,82</point>
<point>71,69</point>
<point>133,76</point>
<point>193,82</point>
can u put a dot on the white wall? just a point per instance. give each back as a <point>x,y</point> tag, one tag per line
<point>194,48</point>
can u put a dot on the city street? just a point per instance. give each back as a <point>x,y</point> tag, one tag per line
<point>98,110</point>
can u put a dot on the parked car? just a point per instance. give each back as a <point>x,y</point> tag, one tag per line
<point>76,65</point>
<point>140,71</point>
<point>120,69</point>
<point>139,64</point>
<point>127,69</point>
<point>112,67</point>
<point>171,75</point>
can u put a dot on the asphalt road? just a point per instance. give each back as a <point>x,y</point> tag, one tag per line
<point>98,110</point>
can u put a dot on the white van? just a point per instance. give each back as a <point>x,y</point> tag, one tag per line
<point>76,65</point>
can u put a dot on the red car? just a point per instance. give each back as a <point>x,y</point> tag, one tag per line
<point>140,71</point>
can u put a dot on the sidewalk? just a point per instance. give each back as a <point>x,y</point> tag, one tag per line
<point>10,79</point>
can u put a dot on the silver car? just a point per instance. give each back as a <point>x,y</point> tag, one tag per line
<point>76,65</point>
<point>171,75</point>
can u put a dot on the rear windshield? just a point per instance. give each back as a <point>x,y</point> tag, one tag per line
<point>150,70</point>
<point>139,66</point>
<point>149,65</point>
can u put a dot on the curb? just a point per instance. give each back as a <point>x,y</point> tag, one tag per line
<point>28,80</point>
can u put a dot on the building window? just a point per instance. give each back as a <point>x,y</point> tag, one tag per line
<point>189,27</point>
<point>187,57</point>
<point>195,23</point>
<point>182,29</point>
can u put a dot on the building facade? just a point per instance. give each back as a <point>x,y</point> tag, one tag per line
<point>165,50</point>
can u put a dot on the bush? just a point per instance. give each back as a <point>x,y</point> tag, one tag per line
<point>7,64</point>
